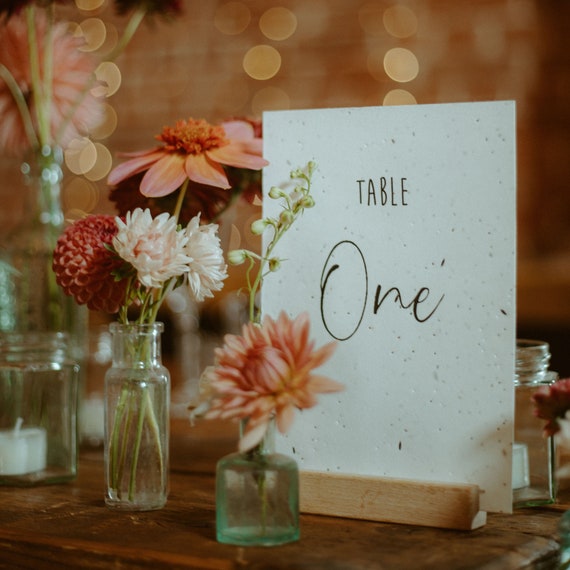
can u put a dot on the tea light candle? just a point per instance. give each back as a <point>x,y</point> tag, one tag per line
<point>22,451</point>
<point>521,476</point>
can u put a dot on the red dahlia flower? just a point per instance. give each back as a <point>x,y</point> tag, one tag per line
<point>84,267</point>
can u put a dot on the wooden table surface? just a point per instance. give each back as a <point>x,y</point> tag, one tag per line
<point>68,526</point>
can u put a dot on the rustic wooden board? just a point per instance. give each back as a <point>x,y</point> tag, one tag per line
<point>442,505</point>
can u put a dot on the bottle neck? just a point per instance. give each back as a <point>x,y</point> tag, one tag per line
<point>267,445</point>
<point>532,362</point>
<point>136,346</point>
<point>43,174</point>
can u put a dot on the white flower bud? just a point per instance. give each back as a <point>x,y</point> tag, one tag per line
<point>237,256</point>
<point>258,227</point>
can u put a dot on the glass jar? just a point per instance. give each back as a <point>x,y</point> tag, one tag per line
<point>257,496</point>
<point>534,481</point>
<point>137,407</point>
<point>38,409</point>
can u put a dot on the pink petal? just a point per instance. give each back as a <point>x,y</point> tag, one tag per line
<point>234,155</point>
<point>164,177</point>
<point>323,385</point>
<point>238,130</point>
<point>134,166</point>
<point>201,170</point>
<point>285,418</point>
<point>253,436</point>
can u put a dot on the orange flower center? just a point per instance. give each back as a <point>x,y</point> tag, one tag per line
<point>193,137</point>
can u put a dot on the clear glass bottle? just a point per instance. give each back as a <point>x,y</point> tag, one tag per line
<point>30,299</point>
<point>257,496</point>
<point>38,410</point>
<point>137,408</point>
<point>534,481</point>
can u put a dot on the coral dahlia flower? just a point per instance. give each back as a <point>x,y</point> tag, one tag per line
<point>68,111</point>
<point>266,372</point>
<point>193,150</point>
<point>84,267</point>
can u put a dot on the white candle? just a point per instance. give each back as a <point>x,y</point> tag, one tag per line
<point>92,420</point>
<point>521,476</point>
<point>22,451</point>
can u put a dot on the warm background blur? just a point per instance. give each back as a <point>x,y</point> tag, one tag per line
<point>227,58</point>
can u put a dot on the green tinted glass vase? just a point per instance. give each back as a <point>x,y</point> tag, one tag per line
<point>257,496</point>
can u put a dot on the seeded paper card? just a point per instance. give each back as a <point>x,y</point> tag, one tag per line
<point>408,261</point>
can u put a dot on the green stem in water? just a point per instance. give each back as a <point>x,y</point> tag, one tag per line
<point>138,439</point>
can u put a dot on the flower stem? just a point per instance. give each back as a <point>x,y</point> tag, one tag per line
<point>21,104</point>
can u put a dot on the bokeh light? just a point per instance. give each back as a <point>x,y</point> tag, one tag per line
<point>232,18</point>
<point>262,62</point>
<point>400,21</point>
<point>102,165</point>
<point>401,65</point>
<point>89,5</point>
<point>278,23</point>
<point>94,32</point>
<point>80,197</point>
<point>108,125</point>
<point>80,155</point>
<point>399,97</point>
<point>109,76</point>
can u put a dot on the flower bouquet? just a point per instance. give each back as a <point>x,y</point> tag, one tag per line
<point>128,265</point>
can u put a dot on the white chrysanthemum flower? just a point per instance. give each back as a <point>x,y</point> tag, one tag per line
<point>153,246</point>
<point>207,268</point>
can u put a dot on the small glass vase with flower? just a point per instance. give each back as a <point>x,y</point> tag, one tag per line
<point>128,265</point>
<point>259,378</point>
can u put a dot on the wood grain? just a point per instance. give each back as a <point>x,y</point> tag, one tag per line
<point>69,527</point>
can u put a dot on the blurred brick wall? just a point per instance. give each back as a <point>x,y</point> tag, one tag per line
<point>465,51</point>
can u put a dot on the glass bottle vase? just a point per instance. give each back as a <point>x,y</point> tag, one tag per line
<point>257,496</point>
<point>30,299</point>
<point>534,482</point>
<point>137,403</point>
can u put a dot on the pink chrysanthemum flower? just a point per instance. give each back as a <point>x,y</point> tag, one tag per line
<point>207,270</point>
<point>71,112</point>
<point>84,267</point>
<point>266,372</point>
<point>153,246</point>
<point>551,404</point>
<point>193,150</point>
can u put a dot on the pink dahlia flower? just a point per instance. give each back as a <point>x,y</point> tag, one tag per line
<point>71,111</point>
<point>266,372</point>
<point>193,150</point>
<point>153,246</point>
<point>84,267</point>
<point>551,404</point>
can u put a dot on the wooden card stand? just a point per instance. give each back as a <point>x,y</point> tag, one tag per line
<point>442,505</point>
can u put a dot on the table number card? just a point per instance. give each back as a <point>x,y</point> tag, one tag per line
<point>408,261</point>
